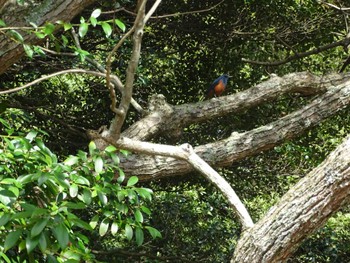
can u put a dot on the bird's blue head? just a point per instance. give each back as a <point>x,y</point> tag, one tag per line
<point>225,78</point>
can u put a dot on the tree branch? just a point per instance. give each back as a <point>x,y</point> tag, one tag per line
<point>185,152</point>
<point>303,209</point>
<point>165,118</point>
<point>241,145</point>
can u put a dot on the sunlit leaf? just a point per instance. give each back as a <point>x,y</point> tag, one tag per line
<point>128,232</point>
<point>93,21</point>
<point>28,49</point>
<point>71,160</point>
<point>138,216</point>
<point>106,28</point>
<point>120,24</point>
<point>92,147</point>
<point>73,190</point>
<point>132,181</point>
<point>94,221</point>
<point>114,228</point>
<point>49,28</point>
<point>103,227</point>
<point>31,135</point>
<point>154,232</point>
<point>98,164</point>
<point>83,28</point>
<point>96,13</point>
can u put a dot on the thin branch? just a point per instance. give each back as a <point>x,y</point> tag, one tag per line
<point>335,7</point>
<point>68,71</point>
<point>115,127</point>
<point>168,15</point>
<point>151,11</point>
<point>186,152</point>
<point>344,42</point>
<point>114,79</point>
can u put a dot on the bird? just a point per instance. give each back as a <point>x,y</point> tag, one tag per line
<point>218,86</point>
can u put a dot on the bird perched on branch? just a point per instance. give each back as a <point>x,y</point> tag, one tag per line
<point>218,86</point>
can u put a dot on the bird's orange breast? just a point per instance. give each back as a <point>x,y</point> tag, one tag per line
<point>219,88</point>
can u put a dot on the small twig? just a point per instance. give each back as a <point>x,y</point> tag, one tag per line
<point>335,7</point>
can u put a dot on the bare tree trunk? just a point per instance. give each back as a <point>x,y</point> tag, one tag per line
<point>303,209</point>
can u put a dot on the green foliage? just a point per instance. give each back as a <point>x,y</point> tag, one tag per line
<point>50,208</point>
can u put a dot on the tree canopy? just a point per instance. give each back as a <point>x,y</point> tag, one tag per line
<point>110,150</point>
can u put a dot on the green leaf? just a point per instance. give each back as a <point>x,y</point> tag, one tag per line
<point>128,232</point>
<point>114,228</point>
<point>2,23</point>
<point>139,236</point>
<point>65,40</point>
<point>49,28</point>
<point>38,227</point>
<point>154,232</point>
<point>67,26</point>
<point>17,36</point>
<point>71,160</point>
<point>110,149</point>
<point>83,28</point>
<point>94,221</point>
<point>93,21</point>
<point>138,216</point>
<point>80,223</point>
<point>7,197</point>
<point>4,219</point>
<point>92,147</point>
<point>103,198</point>
<point>98,165</point>
<point>31,243</point>
<point>145,193</point>
<point>61,234</point>
<point>103,227</point>
<point>146,210</point>
<point>120,24</point>
<point>42,242</point>
<point>28,49</point>
<point>2,255</point>
<point>96,13</point>
<point>31,135</point>
<point>106,28</point>
<point>87,196</point>
<point>132,181</point>
<point>11,239</point>
<point>73,190</point>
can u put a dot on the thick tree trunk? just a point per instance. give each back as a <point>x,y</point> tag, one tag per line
<point>38,13</point>
<point>303,209</point>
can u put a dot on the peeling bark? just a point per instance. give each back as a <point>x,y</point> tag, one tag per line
<point>303,209</point>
